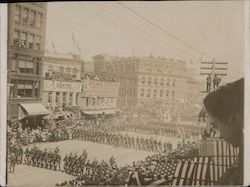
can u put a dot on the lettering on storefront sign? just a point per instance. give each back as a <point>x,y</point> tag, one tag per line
<point>62,86</point>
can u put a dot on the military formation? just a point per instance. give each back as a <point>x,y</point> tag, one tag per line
<point>42,158</point>
<point>125,141</point>
<point>92,172</point>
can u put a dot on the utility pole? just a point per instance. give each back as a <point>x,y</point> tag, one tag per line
<point>213,68</point>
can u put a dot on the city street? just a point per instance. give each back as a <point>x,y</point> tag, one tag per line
<point>32,176</point>
<point>99,151</point>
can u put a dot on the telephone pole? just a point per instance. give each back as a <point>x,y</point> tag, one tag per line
<point>213,68</point>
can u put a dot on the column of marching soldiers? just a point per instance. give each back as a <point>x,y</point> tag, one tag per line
<point>125,141</point>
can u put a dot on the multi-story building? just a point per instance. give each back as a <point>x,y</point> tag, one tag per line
<point>62,80</point>
<point>99,95</point>
<point>157,84</point>
<point>26,45</point>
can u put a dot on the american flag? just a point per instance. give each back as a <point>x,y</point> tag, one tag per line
<point>165,169</point>
<point>219,156</point>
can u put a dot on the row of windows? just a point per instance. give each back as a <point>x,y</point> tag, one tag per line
<point>149,92</point>
<point>26,67</point>
<point>26,40</point>
<point>161,82</point>
<point>28,16</point>
<point>57,98</point>
<point>121,68</point>
<point>67,70</point>
<point>25,88</point>
<point>127,92</point>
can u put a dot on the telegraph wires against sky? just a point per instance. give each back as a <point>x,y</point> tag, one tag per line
<point>119,27</point>
<point>163,29</point>
<point>143,31</point>
<point>98,34</point>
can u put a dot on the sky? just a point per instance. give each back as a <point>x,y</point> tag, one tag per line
<point>191,30</point>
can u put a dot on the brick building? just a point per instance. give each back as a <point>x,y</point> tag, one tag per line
<point>157,84</point>
<point>26,45</point>
<point>62,80</point>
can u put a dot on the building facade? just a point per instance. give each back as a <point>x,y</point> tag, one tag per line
<point>26,45</point>
<point>157,84</point>
<point>98,96</point>
<point>62,80</point>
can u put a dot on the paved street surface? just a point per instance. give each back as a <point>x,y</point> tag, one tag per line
<point>25,176</point>
<point>99,151</point>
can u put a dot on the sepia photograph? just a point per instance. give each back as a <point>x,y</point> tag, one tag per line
<point>125,93</point>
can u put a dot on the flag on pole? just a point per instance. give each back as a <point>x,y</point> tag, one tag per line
<point>74,41</point>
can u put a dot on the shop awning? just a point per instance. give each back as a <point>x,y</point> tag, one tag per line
<point>32,109</point>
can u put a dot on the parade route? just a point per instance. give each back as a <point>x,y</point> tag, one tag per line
<point>122,156</point>
<point>26,176</point>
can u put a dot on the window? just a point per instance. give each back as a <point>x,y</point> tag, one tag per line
<point>162,81</point>
<point>173,94</point>
<point>39,20</point>
<point>17,13</point>
<point>57,97</point>
<point>148,92</point>
<point>155,81</point>
<point>149,81</point>
<point>32,17</point>
<point>25,15</point>
<point>24,39</point>
<point>25,67</point>
<point>168,82</point>
<point>38,43</point>
<point>167,93</point>
<point>50,98</point>
<point>24,88</point>
<point>31,41</point>
<point>16,38</point>
<point>161,93</point>
<point>155,93</point>
<point>173,83</point>
<point>142,92</point>
<point>143,80</point>
<point>70,98</point>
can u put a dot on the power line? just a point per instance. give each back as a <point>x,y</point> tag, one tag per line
<point>192,56</point>
<point>139,29</point>
<point>110,39</point>
<point>89,12</point>
<point>163,30</point>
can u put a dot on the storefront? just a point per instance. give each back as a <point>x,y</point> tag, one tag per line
<point>31,115</point>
